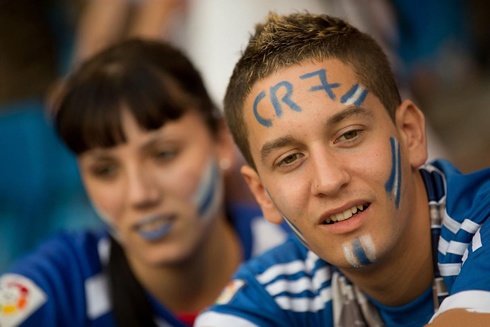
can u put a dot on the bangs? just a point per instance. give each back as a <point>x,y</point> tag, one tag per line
<point>89,115</point>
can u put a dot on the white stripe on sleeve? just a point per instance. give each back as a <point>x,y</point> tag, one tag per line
<point>472,301</point>
<point>476,243</point>
<point>449,269</point>
<point>216,319</point>
<point>97,294</point>
<point>290,268</point>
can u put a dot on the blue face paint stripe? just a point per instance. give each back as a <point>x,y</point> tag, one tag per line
<point>261,120</point>
<point>349,93</point>
<point>391,181</point>
<point>208,199</point>
<point>399,178</point>
<point>359,252</point>
<point>361,98</point>
<point>286,98</point>
<point>295,229</point>
<point>322,74</point>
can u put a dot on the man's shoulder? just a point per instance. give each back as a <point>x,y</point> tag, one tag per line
<point>467,195</point>
<point>288,285</point>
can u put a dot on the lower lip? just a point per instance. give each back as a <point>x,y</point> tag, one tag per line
<point>158,233</point>
<point>348,225</point>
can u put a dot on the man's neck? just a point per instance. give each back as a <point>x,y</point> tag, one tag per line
<point>407,270</point>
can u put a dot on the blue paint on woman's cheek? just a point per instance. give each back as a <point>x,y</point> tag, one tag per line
<point>210,192</point>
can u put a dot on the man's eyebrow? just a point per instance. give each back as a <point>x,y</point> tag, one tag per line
<point>348,112</point>
<point>274,144</point>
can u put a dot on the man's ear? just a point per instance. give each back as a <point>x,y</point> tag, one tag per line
<point>410,122</point>
<point>260,193</point>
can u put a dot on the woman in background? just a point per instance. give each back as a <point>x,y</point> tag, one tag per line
<point>152,151</point>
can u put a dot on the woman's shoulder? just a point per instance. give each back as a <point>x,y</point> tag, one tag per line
<point>50,284</point>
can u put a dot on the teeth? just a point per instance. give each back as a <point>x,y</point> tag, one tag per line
<point>149,226</point>
<point>345,215</point>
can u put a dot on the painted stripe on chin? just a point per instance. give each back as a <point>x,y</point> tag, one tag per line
<point>360,252</point>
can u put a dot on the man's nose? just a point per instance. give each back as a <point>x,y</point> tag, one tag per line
<point>330,173</point>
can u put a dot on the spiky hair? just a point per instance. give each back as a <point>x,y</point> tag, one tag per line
<point>284,41</point>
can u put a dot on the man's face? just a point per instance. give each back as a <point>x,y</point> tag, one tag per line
<point>332,161</point>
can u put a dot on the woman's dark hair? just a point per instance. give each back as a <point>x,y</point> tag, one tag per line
<point>152,80</point>
<point>155,83</point>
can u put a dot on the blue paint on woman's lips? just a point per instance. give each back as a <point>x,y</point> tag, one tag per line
<point>157,233</point>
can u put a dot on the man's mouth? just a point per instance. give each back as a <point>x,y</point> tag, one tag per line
<point>346,214</point>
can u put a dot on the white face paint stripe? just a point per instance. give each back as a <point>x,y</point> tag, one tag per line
<point>204,184</point>
<point>209,193</point>
<point>355,96</point>
<point>369,247</point>
<point>349,255</point>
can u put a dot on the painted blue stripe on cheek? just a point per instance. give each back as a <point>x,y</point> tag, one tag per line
<point>399,178</point>
<point>210,193</point>
<point>391,181</point>
<point>359,252</point>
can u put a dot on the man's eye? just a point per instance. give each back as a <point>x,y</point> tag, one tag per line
<point>290,159</point>
<point>349,136</point>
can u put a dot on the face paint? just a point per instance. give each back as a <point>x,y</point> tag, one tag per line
<point>322,74</point>
<point>275,102</point>
<point>286,98</point>
<point>209,192</point>
<point>165,225</point>
<point>295,229</point>
<point>360,252</point>
<point>355,95</point>
<point>394,182</point>
<point>262,121</point>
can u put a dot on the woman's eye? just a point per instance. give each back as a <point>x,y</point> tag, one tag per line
<point>104,172</point>
<point>165,155</point>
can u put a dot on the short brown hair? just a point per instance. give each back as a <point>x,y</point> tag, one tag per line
<point>285,41</point>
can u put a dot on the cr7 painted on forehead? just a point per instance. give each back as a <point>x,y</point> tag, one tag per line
<point>355,95</point>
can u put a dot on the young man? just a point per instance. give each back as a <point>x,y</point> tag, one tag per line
<point>333,150</point>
